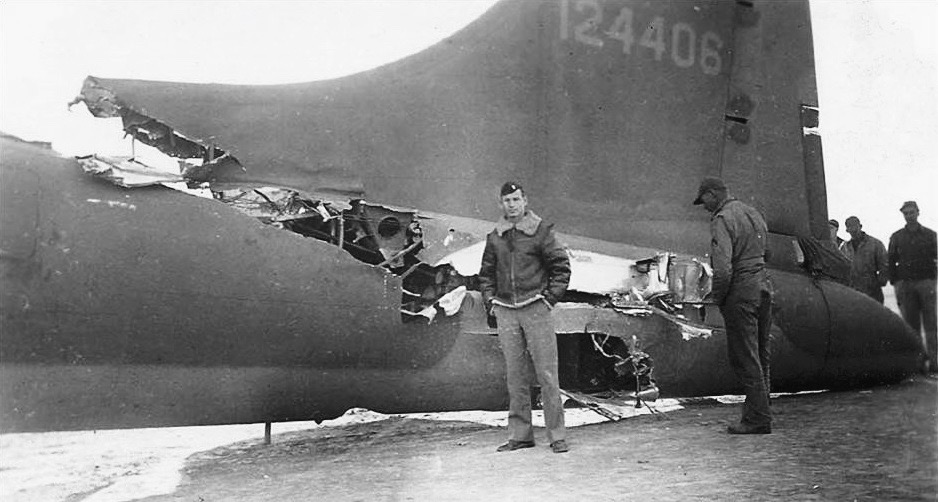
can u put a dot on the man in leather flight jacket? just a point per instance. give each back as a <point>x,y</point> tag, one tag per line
<point>525,271</point>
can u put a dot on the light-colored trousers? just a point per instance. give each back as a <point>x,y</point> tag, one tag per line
<point>530,346</point>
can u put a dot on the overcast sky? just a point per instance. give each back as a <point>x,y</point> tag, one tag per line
<point>877,65</point>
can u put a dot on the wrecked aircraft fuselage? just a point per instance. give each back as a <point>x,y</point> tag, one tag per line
<point>237,312</point>
<point>293,287</point>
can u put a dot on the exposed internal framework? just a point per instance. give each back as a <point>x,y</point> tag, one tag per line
<point>436,259</point>
<point>392,239</point>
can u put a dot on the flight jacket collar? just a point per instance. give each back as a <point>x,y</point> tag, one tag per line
<point>527,224</point>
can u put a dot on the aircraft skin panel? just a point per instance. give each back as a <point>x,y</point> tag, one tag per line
<point>635,121</point>
<point>153,276</point>
<point>531,96</point>
<point>609,110</point>
<point>772,76</point>
<point>104,396</point>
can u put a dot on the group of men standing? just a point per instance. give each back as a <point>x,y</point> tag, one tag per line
<point>909,264</point>
<point>525,271</point>
<point>869,267</point>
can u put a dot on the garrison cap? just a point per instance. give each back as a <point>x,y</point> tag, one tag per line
<point>909,204</point>
<point>709,183</point>
<point>510,187</point>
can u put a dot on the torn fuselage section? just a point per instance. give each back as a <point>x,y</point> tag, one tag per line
<point>389,238</point>
<point>606,341</point>
<point>377,235</point>
<point>438,257</point>
<point>197,161</point>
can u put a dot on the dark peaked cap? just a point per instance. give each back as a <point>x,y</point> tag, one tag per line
<point>510,187</point>
<point>709,183</point>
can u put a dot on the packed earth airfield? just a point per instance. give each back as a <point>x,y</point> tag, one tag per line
<point>866,445</point>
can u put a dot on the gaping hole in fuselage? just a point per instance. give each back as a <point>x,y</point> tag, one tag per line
<point>372,234</point>
<point>604,367</point>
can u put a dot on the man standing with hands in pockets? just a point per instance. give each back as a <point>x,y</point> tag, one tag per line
<point>525,271</point>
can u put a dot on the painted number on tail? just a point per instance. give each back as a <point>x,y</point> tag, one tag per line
<point>582,20</point>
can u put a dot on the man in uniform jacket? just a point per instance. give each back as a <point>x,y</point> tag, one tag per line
<point>868,265</point>
<point>912,267</point>
<point>742,290</point>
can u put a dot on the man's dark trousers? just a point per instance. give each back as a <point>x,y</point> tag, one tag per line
<point>747,313</point>
<point>916,299</point>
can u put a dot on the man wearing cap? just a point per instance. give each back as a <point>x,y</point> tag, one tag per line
<point>834,226</point>
<point>868,264</point>
<point>912,268</point>
<point>525,271</point>
<point>742,290</point>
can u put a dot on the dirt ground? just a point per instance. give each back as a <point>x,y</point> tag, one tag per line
<point>877,444</point>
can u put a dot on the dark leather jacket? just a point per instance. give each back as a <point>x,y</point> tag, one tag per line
<point>523,260</point>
